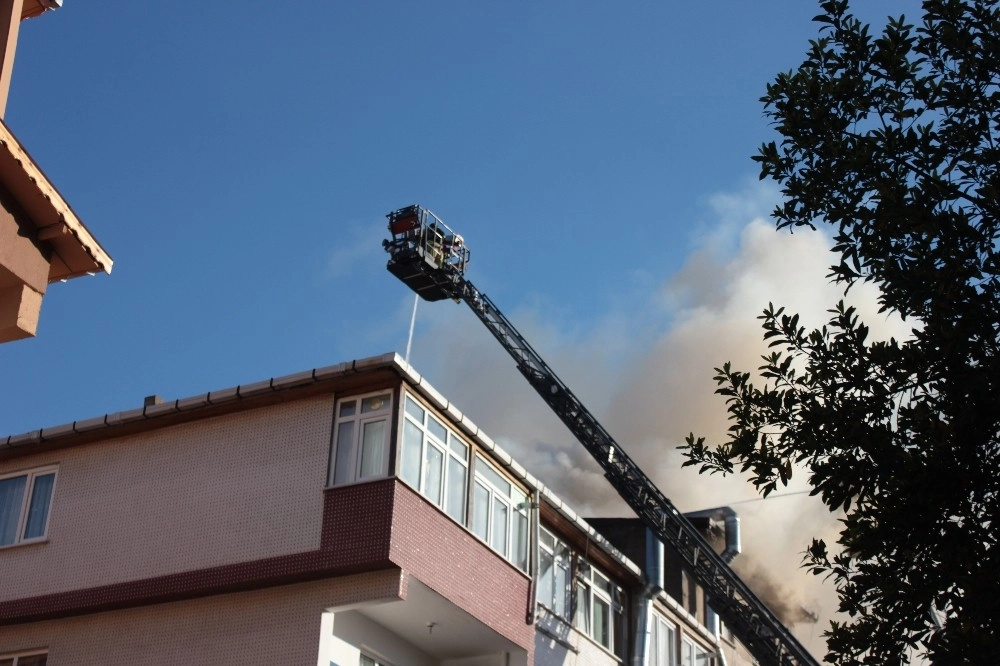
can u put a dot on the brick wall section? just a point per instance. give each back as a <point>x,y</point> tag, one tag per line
<point>370,521</point>
<point>224,490</point>
<point>459,567</point>
<point>357,521</point>
<point>272,626</point>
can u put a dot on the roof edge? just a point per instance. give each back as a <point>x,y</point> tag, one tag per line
<point>49,210</point>
<point>234,394</point>
<point>255,390</point>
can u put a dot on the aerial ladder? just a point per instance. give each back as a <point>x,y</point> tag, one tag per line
<point>431,259</point>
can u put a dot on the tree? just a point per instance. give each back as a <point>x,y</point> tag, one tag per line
<point>893,142</point>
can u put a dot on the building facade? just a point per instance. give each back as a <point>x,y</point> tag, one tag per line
<point>347,515</point>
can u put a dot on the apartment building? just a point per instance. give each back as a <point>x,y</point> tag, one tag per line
<point>347,515</point>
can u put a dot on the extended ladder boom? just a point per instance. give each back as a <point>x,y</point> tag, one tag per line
<point>748,618</point>
<point>746,615</point>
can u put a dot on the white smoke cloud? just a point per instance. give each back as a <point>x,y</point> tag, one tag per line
<point>651,387</point>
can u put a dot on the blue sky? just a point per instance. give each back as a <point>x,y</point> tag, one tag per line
<point>237,161</point>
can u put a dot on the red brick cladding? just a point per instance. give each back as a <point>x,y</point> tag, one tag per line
<point>424,542</point>
<point>459,567</point>
<point>357,522</point>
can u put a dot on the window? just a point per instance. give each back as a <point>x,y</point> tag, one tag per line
<point>553,574</point>
<point>499,513</point>
<point>687,653</point>
<point>364,661</point>
<point>360,443</point>
<point>24,506</point>
<point>434,460</point>
<point>600,609</point>
<point>663,643</point>
<point>693,654</point>
<point>32,659</point>
<point>594,603</point>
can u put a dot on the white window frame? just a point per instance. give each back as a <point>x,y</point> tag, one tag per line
<point>369,409</point>
<point>514,502</point>
<point>14,659</point>
<point>693,654</point>
<point>423,432</point>
<point>593,588</point>
<point>26,504</point>
<point>665,632</point>
<point>687,652</point>
<point>559,558</point>
<point>434,435</point>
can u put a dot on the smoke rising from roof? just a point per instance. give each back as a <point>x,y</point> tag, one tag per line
<point>647,376</point>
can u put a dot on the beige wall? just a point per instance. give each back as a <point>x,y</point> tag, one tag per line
<point>23,259</point>
<point>273,626</point>
<point>24,275</point>
<point>228,489</point>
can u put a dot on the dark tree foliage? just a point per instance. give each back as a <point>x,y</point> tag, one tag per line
<point>893,142</point>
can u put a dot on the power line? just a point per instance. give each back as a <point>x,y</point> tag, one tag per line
<point>769,497</point>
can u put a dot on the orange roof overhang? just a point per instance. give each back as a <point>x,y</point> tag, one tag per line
<point>33,8</point>
<point>75,251</point>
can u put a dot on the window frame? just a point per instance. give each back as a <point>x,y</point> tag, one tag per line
<point>663,626</point>
<point>588,594</point>
<point>359,419</point>
<point>453,450</point>
<point>561,557</point>
<point>15,657</point>
<point>28,495</point>
<point>694,653</point>
<point>480,476</point>
<point>687,652</point>
<point>506,498</point>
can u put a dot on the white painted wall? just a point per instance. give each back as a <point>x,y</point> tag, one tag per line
<point>346,634</point>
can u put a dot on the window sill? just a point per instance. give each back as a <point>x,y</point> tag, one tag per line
<point>21,544</point>
<point>370,479</point>
<point>556,617</point>
<point>558,639</point>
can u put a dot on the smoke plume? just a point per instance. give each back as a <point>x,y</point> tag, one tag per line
<point>782,599</point>
<point>647,376</point>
